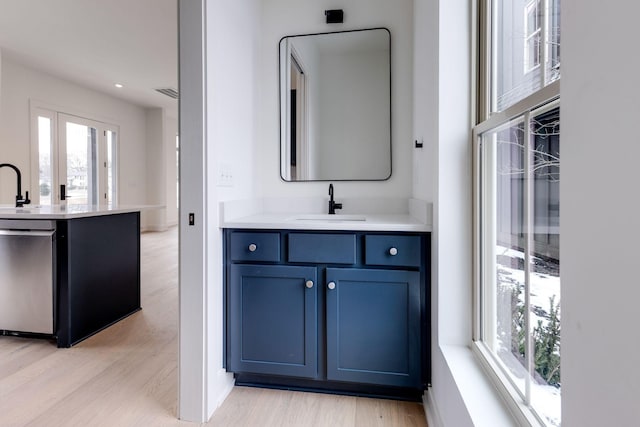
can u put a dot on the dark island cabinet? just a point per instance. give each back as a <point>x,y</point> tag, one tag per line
<point>339,311</point>
<point>98,274</point>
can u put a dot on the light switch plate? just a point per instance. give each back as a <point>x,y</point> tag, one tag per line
<point>225,175</point>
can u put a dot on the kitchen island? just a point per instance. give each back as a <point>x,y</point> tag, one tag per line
<point>87,265</point>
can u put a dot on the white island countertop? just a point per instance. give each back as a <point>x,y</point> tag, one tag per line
<point>66,212</point>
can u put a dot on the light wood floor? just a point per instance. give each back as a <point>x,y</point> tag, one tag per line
<point>126,375</point>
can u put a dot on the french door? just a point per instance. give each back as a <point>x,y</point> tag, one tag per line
<point>76,160</point>
<point>85,161</point>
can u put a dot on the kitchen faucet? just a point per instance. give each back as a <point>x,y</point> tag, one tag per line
<point>333,205</point>
<point>19,200</point>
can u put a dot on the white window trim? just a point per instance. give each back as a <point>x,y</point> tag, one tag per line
<point>531,102</point>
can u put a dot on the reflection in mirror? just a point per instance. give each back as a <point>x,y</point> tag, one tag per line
<point>335,106</point>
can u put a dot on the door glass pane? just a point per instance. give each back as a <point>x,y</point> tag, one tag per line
<point>111,155</point>
<point>82,173</point>
<point>44,160</point>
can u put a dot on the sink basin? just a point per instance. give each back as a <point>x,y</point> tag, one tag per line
<point>328,218</point>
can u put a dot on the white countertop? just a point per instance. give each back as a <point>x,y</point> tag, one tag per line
<point>65,212</point>
<point>365,222</point>
<point>359,214</point>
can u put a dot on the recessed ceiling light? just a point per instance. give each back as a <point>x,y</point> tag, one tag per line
<point>118,85</point>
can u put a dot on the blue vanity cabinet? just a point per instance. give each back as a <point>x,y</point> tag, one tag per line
<point>338,311</point>
<point>373,326</point>
<point>273,320</point>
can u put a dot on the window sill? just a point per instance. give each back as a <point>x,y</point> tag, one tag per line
<point>483,402</point>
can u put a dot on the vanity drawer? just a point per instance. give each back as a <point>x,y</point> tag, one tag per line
<point>255,246</point>
<point>322,248</point>
<point>401,251</point>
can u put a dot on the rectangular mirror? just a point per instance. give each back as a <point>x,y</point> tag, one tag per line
<point>335,106</point>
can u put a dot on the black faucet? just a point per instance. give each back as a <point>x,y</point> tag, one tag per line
<point>19,200</point>
<point>333,205</point>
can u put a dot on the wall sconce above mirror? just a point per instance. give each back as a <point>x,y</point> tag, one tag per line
<point>335,106</point>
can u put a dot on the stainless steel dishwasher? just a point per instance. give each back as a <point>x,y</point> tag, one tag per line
<point>27,276</point>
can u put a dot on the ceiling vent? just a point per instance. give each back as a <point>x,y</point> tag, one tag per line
<point>170,92</point>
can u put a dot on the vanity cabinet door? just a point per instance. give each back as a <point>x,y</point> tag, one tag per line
<point>373,326</point>
<point>273,320</point>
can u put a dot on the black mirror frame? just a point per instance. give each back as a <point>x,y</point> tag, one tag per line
<point>390,107</point>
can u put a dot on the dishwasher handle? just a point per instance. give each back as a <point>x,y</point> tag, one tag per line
<point>30,233</point>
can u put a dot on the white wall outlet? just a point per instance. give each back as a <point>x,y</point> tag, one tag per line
<point>225,175</point>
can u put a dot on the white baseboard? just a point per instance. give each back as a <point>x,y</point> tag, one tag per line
<point>431,409</point>
<point>153,228</point>
<point>156,228</point>
<point>227,383</point>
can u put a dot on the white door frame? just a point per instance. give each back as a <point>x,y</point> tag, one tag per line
<point>192,361</point>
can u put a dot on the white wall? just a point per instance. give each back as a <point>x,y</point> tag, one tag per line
<point>600,149</point>
<point>171,168</point>
<point>161,170</point>
<point>232,94</point>
<point>425,98</point>
<point>289,17</point>
<point>155,167</point>
<point>20,84</point>
<point>451,260</point>
<point>231,98</point>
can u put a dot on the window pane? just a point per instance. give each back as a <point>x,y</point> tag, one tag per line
<point>533,52</point>
<point>525,34</point>
<point>533,17</point>
<point>521,274</point>
<point>44,160</point>
<point>545,274</point>
<point>503,237</point>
